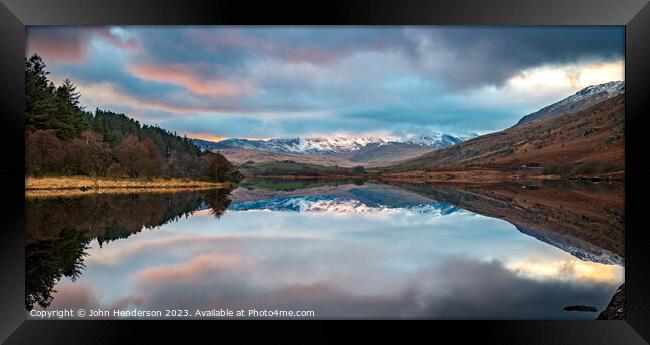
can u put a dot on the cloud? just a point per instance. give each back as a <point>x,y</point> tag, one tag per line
<point>75,295</point>
<point>474,57</point>
<point>105,95</point>
<point>568,270</point>
<point>184,76</point>
<point>457,288</point>
<point>297,81</point>
<point>71,45</point>
<point>488,290</point>
<point>191,271</point>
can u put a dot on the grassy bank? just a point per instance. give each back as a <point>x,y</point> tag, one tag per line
<point>489,176</point>
<point>291,170</point>
<point>471,176</point>
<point>83,185</point>
<point>466,177</point>
<point>304,170</point>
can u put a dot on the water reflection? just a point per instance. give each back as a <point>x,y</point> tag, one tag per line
<point>59,230</point>
<point>345,249</point>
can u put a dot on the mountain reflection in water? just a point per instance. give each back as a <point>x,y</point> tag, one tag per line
<point>345,249</point>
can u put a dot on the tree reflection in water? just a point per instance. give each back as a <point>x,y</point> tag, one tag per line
<point>47,261</point>
<point>59,230</point>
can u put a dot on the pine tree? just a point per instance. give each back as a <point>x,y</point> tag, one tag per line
<point>39,95</point>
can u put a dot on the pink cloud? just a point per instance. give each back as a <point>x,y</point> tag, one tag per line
<point>107,95</point>
<point>182,75</point>
<point>193,271</point>
<point>55,44</point>
<point>74,295</point>
<point>71,44</point>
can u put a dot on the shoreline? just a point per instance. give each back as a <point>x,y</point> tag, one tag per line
<point>470,176</point>
<point>82,185</point>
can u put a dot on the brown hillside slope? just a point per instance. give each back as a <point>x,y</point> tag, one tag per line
<point>595,134</point>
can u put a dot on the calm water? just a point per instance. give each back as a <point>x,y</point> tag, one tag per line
<point>343,250</point>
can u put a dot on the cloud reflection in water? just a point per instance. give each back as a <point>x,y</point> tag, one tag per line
<point>395,264</point>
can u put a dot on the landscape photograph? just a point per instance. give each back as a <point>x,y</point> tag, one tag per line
<point>336,172</point>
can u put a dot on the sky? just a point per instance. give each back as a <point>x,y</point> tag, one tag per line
<point>216,82</point>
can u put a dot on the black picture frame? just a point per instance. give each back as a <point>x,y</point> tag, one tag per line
<point>633,14</point>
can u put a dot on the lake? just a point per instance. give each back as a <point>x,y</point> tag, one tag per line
<point>335,249</point>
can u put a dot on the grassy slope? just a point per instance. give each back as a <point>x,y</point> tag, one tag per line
<point>374,155</point>
<point>370,156</point>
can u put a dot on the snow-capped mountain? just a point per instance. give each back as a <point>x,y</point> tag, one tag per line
<point>333,145</point>
<point>338,205</point>
<point>293,145</point>
<point>578,101</point>
<point>437,140</point>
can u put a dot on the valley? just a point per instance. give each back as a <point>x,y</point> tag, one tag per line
<point>579,137</point>
<point>336,151</point>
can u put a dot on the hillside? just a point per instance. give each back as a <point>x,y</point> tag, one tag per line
<point>374,154</point>
<point>370,156</point>
<point>242,155</point>
<point>589,141</point>
<point>581,100</point>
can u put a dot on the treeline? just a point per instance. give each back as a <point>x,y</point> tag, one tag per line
<point>64,139</point>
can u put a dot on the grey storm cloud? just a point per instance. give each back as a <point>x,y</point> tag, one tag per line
<point>471,57</point>
<point>467,56</point>
<point>362,79</point>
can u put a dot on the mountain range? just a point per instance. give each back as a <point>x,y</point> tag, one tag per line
<point>340,150</point>
<point>338,205</point>
<point>334,145</point>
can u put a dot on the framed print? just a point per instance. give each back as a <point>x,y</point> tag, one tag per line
<point>372,160</point>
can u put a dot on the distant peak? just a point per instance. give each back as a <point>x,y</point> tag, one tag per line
<point>609,87</point>
<point>578,101</point>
